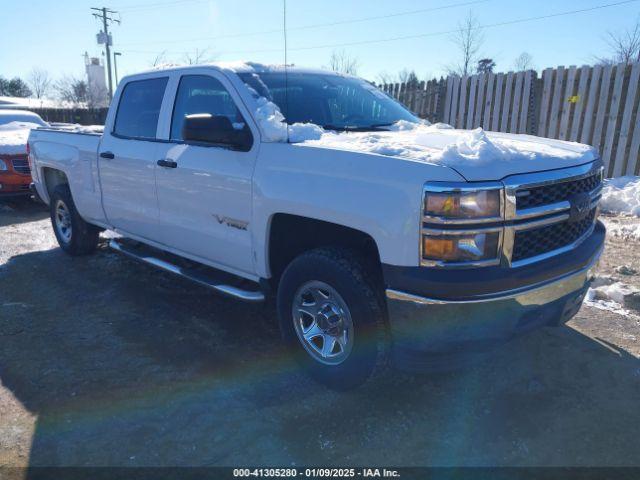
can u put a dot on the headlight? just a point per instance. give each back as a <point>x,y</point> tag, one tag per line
<point>462,224</point>
<point>460,247</point>
<point>3,166</point>
<point>463,205</point>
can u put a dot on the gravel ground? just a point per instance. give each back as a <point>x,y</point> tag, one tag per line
<point>104,361</point>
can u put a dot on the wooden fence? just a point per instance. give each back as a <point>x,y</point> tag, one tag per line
<point>597,105</point>
<point>83,116</point>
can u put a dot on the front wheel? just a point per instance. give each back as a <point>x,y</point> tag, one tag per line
<point>74,235</point>
<point>332,316</point>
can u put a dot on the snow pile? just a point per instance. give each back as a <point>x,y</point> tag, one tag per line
<point>622,195</point>
<point>89,129</point>
<point>13,137</point>
<point>444,145</point>
<point>77,128</point>
<point>475,147</point>
<point>274,128</point>
<point>592,300</point>
<point>608,294</point>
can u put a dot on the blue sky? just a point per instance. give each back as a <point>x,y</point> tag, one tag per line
<point>54,34</point>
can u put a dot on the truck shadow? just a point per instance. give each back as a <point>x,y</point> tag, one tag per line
<point>123,365</point>
<point>15,212</point>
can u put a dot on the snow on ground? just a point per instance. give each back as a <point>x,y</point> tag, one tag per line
<point>614,298</point>
<point>13,137</point>
<point>607,292</point>
<point>629,231</point>
<point>622,195</point>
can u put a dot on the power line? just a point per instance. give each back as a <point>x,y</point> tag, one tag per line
<point>321,25</point>
<point>449,32</point>
<point>149,6</point>
<point>430,34</point>
<point>391,15</point>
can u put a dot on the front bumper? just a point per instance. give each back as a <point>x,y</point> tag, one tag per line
<point>14,184</point>
<point>433,333</point>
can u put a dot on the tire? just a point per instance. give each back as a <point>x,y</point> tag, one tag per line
<point>350,312</point>
<point>75,236</point>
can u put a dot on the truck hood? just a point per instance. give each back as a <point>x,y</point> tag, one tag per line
<point>475,154</point>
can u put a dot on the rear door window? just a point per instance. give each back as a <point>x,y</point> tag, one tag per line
<point>139,108</point>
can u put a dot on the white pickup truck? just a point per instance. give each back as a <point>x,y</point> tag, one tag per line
<point>382,238</point>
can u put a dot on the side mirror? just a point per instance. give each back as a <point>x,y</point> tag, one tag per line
<point>216,129</point>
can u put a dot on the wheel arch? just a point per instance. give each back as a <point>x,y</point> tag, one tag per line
<point>52,178</point>
<point>289,235</point>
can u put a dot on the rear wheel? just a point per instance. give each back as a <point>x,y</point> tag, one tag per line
<point>74,235</point>
<point>332,316</point>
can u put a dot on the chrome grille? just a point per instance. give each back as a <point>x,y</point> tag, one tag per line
<point>556,192</point>
<point>21,166</point>
<point>544,211</point>
<point>538,241</point>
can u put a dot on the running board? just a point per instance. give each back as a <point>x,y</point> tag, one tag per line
<point>191,274</point>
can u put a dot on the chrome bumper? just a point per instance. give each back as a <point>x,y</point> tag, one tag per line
<point>437,326</point>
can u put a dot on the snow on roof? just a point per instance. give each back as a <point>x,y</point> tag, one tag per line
<point>244,67</point>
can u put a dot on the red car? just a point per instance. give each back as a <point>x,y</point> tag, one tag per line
<point>15,174</point>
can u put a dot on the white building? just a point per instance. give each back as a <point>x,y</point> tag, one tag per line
<point>96,81</point>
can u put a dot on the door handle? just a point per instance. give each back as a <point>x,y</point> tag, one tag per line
<point>167,163</point>
<point>108,155</point>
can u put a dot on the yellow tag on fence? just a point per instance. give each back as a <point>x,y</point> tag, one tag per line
<point>574,99</point>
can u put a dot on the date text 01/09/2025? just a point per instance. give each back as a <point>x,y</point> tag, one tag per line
<point>316,472</point>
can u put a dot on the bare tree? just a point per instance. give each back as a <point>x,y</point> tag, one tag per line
<point>523,62</point>
<point>625,45</point>
<point>469,39</point>
<point>342,62</point>
<point>40,82</point>
<point>385,78</point>
<point>159,59</point>
<point>72,90</point>
<point>198,57</point>
<point>408,76</point>
<point>97,95</point>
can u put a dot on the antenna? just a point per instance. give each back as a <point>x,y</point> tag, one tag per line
<point>286,72</point>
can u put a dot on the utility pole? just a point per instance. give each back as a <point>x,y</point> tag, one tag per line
<point>104,15</point>
<point>115,64</point>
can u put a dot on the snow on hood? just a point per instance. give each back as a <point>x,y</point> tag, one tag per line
<point>14,136</point>
<point>476,154</point>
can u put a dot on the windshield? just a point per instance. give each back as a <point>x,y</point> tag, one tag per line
<point>331,101</point>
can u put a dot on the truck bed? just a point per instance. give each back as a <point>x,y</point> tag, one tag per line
<point>72,150</point>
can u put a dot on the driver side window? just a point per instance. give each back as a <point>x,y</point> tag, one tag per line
<point>203,94</point>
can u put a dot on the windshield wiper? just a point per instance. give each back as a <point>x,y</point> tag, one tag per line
<point>357,128</point>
